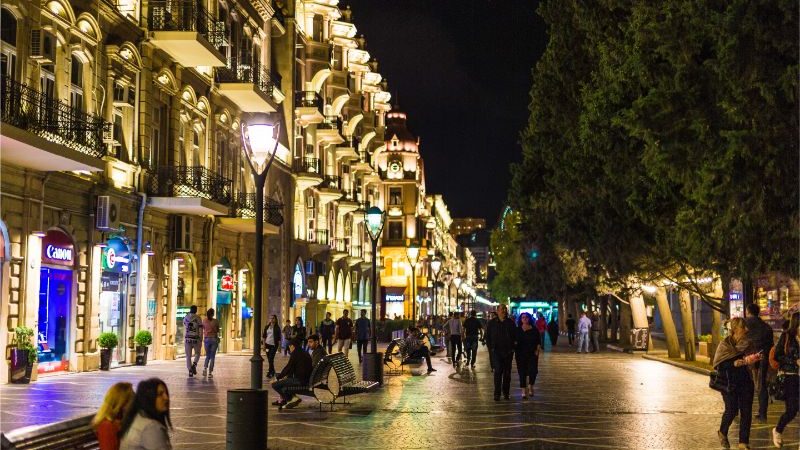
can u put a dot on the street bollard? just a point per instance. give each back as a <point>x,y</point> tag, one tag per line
<point>247,420</point>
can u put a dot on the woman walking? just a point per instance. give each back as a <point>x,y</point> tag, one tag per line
<point>730,362</point>
<point>271,338</point>
<point>210,342</point>
<point>787,353</point>
<point>299,332</point>
<point>529,343</point>
<point>107,421</point>
<point>146,426</point>
<point>286,333</point>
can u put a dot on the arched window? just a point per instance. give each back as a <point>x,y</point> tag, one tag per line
<point>8,43</point>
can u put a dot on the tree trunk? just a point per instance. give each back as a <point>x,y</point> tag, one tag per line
<point>670,332</point>
<point>562,314</point>
<point>716,319</point>
<point>614,303</point>
<point>688,325</point>
<point>604,318</point>
<point>749,289</point>
<point>625,322</point>
<point>638,311</point>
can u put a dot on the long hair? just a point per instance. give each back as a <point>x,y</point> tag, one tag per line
<point>530,319</point>
<point>117,401</point>
<point>145,404</point>
<point>794,323</point>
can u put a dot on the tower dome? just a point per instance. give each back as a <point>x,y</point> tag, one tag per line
<point>398,137</point>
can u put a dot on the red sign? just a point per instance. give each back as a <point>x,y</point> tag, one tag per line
<point>226,283</point>
<point>57,248</point>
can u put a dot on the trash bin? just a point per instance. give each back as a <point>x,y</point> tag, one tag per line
<point>372,367</point>
<point>247,419</point>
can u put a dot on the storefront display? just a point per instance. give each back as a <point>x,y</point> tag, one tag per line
<point>116,265</point>
<point>55,302</point>
<point>246,310</point>
<point>225,286</point>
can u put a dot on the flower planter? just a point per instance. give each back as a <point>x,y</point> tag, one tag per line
<point>141,355</point>
<point>21,367</point>
<point>105,358</point>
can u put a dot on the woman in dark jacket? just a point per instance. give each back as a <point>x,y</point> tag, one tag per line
<point>787,353</point>
<point>271,338</point>
<point>527,354</point>
<point>730,362</point>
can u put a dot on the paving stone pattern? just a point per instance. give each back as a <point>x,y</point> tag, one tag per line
<point>601,400</point>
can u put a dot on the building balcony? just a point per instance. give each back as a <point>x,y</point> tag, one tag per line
<point>308,108</point>
<point>348,153</point>
<point>190,190</point>
<point>278,21</point>
<point>329,132</point>
<point>187,32</point>
<point>306,172</point>
<point>355,256</point>
<point>250,87</point>
<point>347,203</point>
<point>329,189</point>
<point>338,248</point>
<point>318,241</point>
<point>44,134</point>
<point>243,213</point>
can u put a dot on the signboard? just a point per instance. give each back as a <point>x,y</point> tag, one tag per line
<point>181,312</point>
<point>57,248</point>
<point>224,279</point>
<point>116,256</point>
<point>394,298</point>
<point>640,338</point>
<point>109,282</point>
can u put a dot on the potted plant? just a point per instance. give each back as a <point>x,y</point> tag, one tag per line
<point>107,342</point>
<point>142,339</point>
<point>23,355</point>
<point>703,342</point>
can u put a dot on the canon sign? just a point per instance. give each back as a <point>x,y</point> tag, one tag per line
<point>57,248</point>
<point>58,253</point>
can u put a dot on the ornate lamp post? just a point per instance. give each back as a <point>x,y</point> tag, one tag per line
<point>412,254</point>
<point>436,266</point>
<point>372,370</point>
<point>247,422</point>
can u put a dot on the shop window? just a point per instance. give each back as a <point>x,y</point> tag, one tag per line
<point>395,196</point>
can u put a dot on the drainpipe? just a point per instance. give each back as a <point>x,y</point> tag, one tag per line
<point>139,244</point>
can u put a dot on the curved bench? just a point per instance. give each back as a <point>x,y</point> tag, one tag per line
<point>69,434</point>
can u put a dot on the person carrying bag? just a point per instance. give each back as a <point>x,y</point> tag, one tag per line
<point>787,354</point>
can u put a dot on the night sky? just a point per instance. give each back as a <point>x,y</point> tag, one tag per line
<point>462,72</point>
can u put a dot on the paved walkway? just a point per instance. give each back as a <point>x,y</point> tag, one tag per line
<point>604,401</point>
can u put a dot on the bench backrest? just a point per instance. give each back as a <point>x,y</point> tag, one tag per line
<point>387,356</point>
<point>342,374</point>
<point>69,434</point>
<point>320,373</point>
<point>402,345</point>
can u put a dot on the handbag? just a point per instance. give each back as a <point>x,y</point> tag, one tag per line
<point>720,381</point>
<point>776,387</point>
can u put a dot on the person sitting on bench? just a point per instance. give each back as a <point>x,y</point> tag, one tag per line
<point>416,349</point>
<point>317,350</point>
<point>296,373</point>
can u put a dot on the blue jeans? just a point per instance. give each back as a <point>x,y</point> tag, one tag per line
<point>583,342</point>
<point>211,344</point>
<point>471,348</point>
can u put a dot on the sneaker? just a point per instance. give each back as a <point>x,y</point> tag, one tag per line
<point>191,374</point>
<point>761,419</point>
<point>507,397</point>
<point>723,440</point>
<point>194,369</point>
<point>277,403</point>
<point>777,438</point>
<point>205,372</point>
<point>293,402</point>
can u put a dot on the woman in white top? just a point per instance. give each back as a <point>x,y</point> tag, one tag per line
<point>210,341</point>
<point>146,425</point>
<point>271,338</point>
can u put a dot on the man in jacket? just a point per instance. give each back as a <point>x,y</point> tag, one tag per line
<point>570,329</point>
<point>192,339</point>
<point>760,336</point>
<point>326,329</point>
<point>473,331</point>
<point>296,373</point>
<point>500,336</point>
<point>344,333</point>
<point>362,334</point>
<point>317,350</point>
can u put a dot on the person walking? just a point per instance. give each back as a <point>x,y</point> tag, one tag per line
<point>210,342</point>
<point>501,335</point>
<point>552,330</point>
<point>108,420</point>
<point>787,353</point>
<point>473,332</point>
<point>529,343</point>
<point>446,334</point>
<point>455,328</point>
<point>759,333</point>
<point>271,337</point>
<point>191,339</point>
<point>326,329</point>
<point>146,426</point>
<point>541,326</point>
<point>594,332</point>
<point>486,341</point>
<point>730,362</point>
<point>343,335</point>
<point>584,327</point>
<point>571,329</point>
<point>299,332</point>
<point>286,336</point>
<point>362,334</point>
<point>296,373</point>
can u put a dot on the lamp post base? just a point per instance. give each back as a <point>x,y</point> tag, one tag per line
<point>372,367</point>
<point>247,419</point>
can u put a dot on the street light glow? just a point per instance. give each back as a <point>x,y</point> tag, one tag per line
<point>260,143</point>
<point>374,222</point>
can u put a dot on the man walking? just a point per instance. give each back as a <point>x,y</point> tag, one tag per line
<point>571,330</point>
<point>473,332</point>
<point>500,335</point>
<point>191,336</point>
<point>584,327</point>
<point>595,331</point>
<point>759,333</point>
<point>455,328</point>
<point>362,334</point>
<point>552,330</point>
<point>344,333</point>
<point>326,329</point>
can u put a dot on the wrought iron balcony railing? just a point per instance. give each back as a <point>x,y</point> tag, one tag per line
<point>331,182</point>
<point>339,245</point>
<point>308,99</point>
<point>306,165</point>
<point>236,72</point>
<point>185,15</point>
<point>190,181</point>
<point>54,120</point>
<point>331,123</point>
<point>244,206</point>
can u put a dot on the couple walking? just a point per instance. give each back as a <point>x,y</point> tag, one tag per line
<point>507,340</point>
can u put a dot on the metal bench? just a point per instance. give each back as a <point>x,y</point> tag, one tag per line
<point>73,434</point>
<point>342,379</point>
<point>317,384</point>
<point>399,348</point>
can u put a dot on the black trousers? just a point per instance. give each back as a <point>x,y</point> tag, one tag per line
<point>471,347</point>
<point>792,398</point>
<point>423,352</point>
<point>455,343</point>
<point>327,342</point>
<point>763,394</point>
<point>502,372</point>
<point>739,402</point>
<point>571,336</point>
<point>271,350</point>
<point>361,347</point>
<point>527,368</point>
<point>553,338</point>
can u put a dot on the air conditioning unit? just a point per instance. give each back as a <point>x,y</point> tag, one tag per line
<point>43,46</point>
<point>181,233</point>
<point>107,214</point>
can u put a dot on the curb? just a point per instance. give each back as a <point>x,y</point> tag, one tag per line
<point>677,364</point>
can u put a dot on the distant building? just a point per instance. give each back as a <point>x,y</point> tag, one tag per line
<point>467,225</point>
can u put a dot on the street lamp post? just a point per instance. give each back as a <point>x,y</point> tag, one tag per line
<point>412,253</point>
<point>372,370</point>
<point>436,265</point>
<point>249,414</point>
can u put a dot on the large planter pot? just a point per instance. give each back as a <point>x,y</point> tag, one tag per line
<point>141,355</point>
<point>703,349</point>
<point>105,358</point>
<point>20,366</point>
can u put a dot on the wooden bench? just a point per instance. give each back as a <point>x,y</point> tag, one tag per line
<point>342,379</point>
<point>73,434</point>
